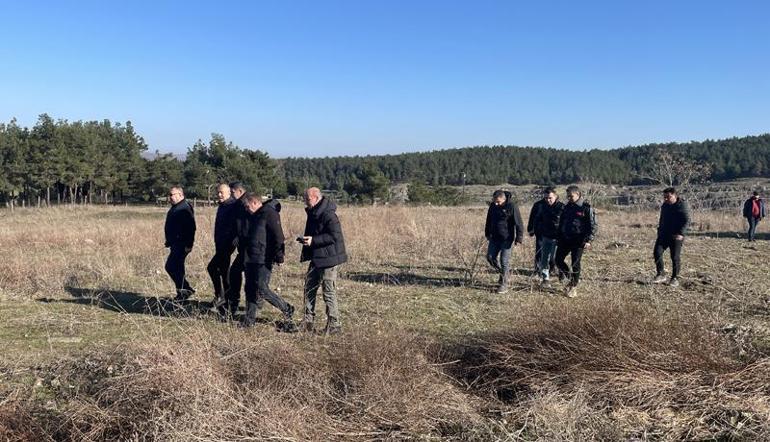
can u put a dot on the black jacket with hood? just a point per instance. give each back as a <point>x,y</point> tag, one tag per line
<point>180,225</point>
<point>262,239</point>
<point>327,249</point>
<point>578,222</point>
<point>504,221</point>
<point>674,219</point>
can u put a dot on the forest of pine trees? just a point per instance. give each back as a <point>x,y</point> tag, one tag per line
<point>58,161</point>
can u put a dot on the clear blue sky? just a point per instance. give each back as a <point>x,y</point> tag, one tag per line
<point>316,78</point>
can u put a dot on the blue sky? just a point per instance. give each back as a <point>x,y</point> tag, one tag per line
<point>315,78</point>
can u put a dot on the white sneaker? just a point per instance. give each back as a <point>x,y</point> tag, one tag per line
<point>673,283</point>
<point>659,279</point>
<point>571,291</point>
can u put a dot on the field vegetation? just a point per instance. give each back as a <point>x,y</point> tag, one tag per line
<point>428,352</point>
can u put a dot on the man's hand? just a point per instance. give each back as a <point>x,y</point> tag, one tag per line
<point>587,246</point>
<point>307,240</point>
<point>678,237</point>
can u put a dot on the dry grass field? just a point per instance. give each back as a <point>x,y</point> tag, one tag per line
<point>429,351</point>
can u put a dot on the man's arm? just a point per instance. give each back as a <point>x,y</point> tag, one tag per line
<point>517,225</point>
<point>331,231</point>
<point>531,221</point>
<point>275,231</point>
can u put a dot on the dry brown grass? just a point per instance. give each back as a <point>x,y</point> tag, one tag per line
<point>429,351</point>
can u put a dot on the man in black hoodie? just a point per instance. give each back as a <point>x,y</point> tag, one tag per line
<point>235,277</point>
<point>503,229</point>
<point>224,244</point>
<point>753,211</point>
<point>533,229</point>
<point>324,246</point>
<point>546,225</point>
<point>263,246</point>
<point>180,236</point>
<point>577,228</point>
<point>672,227</point>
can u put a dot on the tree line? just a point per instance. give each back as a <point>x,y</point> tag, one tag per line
<point>58,161</point>
<point>726,159</point>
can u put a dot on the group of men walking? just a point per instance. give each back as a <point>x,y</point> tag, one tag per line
<point>568,229</point>
<point>251,227</point>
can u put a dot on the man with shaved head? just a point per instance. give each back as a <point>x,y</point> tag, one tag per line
<point>224,244</point>
<point>180,236</point>
<point>324,246</point>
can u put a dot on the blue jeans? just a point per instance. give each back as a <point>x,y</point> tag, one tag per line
<point>503,250</point>
<point>547,255</point>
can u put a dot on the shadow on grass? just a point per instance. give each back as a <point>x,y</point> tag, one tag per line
<point>759,236</point>
<point>132,303</point>
<point>481,282</point>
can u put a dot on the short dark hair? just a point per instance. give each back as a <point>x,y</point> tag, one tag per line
<point>237,185</point>
<point>252,196</point>
<point>755,193</point>
<point>669,190</point>
<point>574,189</point>
<point>498,193</point>
<point>548,190</point>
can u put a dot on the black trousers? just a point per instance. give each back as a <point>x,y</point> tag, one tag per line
<point>258,289</point>
<point>219,269</point>
<point>675,249</point>
<point>175,267</point>
<point>752,227</point>
<point>573,247</point>
<point>235,277</point>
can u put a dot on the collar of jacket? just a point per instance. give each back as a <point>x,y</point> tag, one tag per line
<point>579,202</point>
<point>228,201</point>
<point>319,208</point>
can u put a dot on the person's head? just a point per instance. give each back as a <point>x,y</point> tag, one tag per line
<point>223,192</point>
<point>549,196</point>
<point>252,201</point>
<point>498,197</point>
<point>669,195</point>
<point>175,195</point>
<point>237,189</point>
<point>755,195</point>
<point>312,197</point>
<point>573,194</point>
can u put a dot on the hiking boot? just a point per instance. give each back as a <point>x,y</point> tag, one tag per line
<point>182,295</point>
<point>306,326</point>
<point>332,330</point>
<point>570,291</point>
<point>250,318</point>
<point>503,289</point>
<point>673,283</point>
<point>659,279</point>
<point>287,326</point>
<point>562,277</point>
<point>289,312</point>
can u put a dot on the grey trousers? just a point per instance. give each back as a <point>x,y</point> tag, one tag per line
<point>326,279</point>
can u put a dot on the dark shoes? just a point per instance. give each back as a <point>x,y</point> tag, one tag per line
<point>332,330</point>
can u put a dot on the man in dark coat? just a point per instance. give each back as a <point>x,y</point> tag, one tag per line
<point>263,246</point>
<point>324,246</point>
<point>753,211</point>
<point>180,236</point>
<point>240,226</point>
<point>503,229</point>
<point>672,228</point>
<point>534,230</point>
<point>546,225</point>
<point>577,229</point>
<point>224,244</point>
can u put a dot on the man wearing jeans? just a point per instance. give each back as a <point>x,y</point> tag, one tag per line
<point>753,211</point>
<point>324,246</point>
<point>503,229</point>
<point>672,227</point>
<point>546,224</point>
<point>179,230</point>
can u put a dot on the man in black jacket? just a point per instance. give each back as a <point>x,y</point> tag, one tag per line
<point>180,236</point>
<point>324,246</point>
<point>224,244</point>
<point>577,228</point>
<point>235,276</point>
<point>263,246</point>
<point>672,227</point>
<point>533,230</point>
<point>545,224</point>
<point>753,211</point>
<point>503,229</point>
